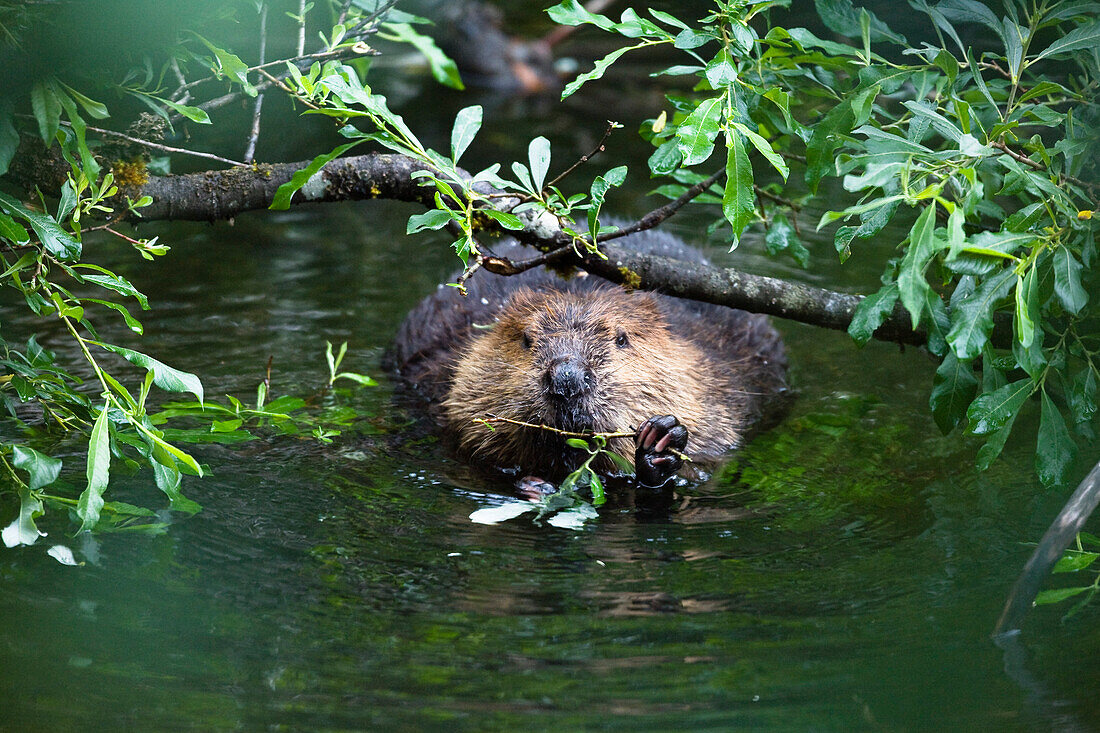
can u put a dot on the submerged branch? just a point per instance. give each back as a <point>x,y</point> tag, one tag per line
<point>1057,538</point>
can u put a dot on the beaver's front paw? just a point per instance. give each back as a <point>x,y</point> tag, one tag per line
<point>534,488</point>
<point>654,464</point>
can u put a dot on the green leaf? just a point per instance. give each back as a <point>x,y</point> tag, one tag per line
<point>14,233</point>
<point>782,237</point>
<point>300,178</point>
<point>23,531</point>
<point>98,472</point>
<point>538,155</point>
<point>992,411</point>
<point>1067,281</point>
<point>9,138</point>
<point>1074,561</point>
<point>570,12</point>
<point>1048,597</point>
<point>431,219</point>
<point>666,158</point>
<point>1085,37</point>
<point>622,464</point>
<point>1081,395</point>
<point>195,114</point>
<point>825,138</point>
<point>720,72</point>
<point>596,72</point>
<point>95,109</point>
<point>43,469</point>
<point>696,134</point>
<point>118,284</point>
<point>953,390</point>
<point>598,191</point>
<point>596,486</point>
<point>56,240</point>
<point>972,318</point>
<point>738,201</point>
<point>1054,449</point>
<point>871,312</point>
<point>133,323</point>
<point>506,220</point>
<point>1026,308</point>
<point>577,443</point>
<point>765,149</point>
<point>912,283</point>
<point>840,16</point>
<point>443,68</point>
<point>164,376</point>
<point>231,66</point>
<point>467,123</point>
<point>47,110</point>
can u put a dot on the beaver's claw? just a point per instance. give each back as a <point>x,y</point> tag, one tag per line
<point>654,463</point>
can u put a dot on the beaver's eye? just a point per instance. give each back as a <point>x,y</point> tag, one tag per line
<point>621,341</point>
<point>526,340</point>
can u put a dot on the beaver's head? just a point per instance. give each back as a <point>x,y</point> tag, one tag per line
<point>573,355</point>
<point>593,360</point>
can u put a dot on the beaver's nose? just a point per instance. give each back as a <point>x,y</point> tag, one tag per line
<point>568,377</point>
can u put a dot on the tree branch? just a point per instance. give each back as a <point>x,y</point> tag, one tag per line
<point>213,195</point>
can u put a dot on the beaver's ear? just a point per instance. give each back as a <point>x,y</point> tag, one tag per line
<point>522,299</point>
<point>645,306</point>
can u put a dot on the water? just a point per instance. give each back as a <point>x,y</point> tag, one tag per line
<point>843,573</point>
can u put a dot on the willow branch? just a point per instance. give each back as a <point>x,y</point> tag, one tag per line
<point>214,195</point>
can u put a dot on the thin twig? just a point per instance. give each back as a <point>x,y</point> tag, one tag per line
<point>776,198</point>
<point>505,266</point>
<point>282,85</point>
<point>181,95</point>
<point>343,12</point>
<point>164,148</point>
<point>658,215</point>
<point>301,28</point>
<point>1036,165</point>
<point>491,418</point>
<point>254,134</point>
<point>479,259</point>
<point>611,126</point>
<point>365,25</point>
<point>1019,158</point>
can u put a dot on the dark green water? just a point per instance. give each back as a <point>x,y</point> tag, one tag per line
<point>844,573</point>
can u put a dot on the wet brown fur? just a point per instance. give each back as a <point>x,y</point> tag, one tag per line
<point>715,369</point>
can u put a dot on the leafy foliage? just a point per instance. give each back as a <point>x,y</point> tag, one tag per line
<point>42,260</point>
<point>986,153</point>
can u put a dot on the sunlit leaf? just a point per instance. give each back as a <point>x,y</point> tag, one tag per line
<point>42,469</point>
<point>738,199</point>
<point>164,376</point>
<point>502,513</point>
<point>467,123</point>
<point>300,178</point>
<point>98,472</point>
<point>696,134</point>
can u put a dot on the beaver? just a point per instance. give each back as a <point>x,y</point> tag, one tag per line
<point>582,355</point>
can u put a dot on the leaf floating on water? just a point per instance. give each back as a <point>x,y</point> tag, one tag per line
<point>62,554</point>
<point>574,518</point>
<point>502,513</point>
